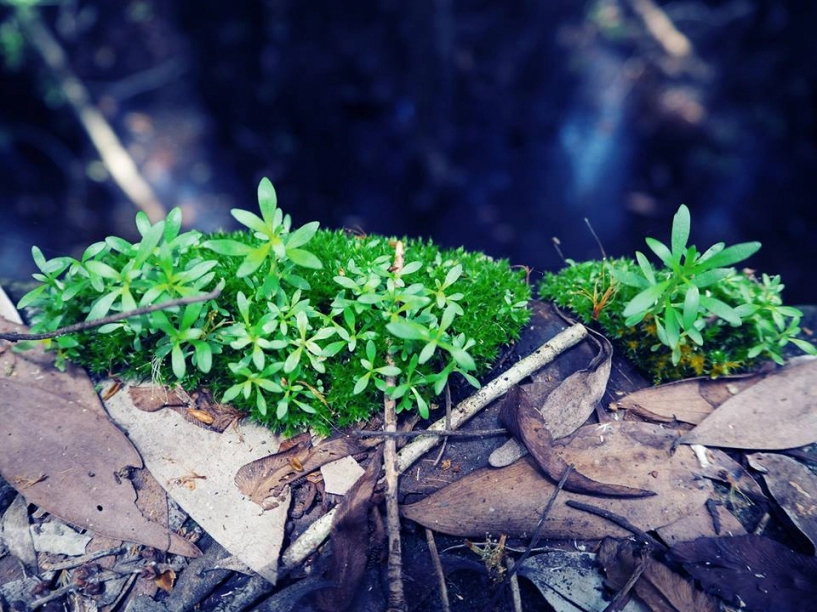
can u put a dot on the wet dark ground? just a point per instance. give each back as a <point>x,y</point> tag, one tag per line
<point>492,125</point>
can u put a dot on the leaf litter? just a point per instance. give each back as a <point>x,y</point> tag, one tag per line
<point>510,499</point>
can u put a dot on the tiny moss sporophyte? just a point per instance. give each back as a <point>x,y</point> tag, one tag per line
<point>308,325</point>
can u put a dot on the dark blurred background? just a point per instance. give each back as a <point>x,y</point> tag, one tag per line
<point>493,125</point>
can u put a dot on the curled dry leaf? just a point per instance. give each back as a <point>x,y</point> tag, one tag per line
<point>566,407</point>
<point>660,588</point>
<point>264,479</point>
<point>528,426</point>
<point>352,530</point>
<point>752,572</point>
<point>511,499</point>
<point>778,412</point>
<point>794,488</point>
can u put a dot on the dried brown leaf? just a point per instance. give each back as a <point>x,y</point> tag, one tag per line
<point>752,572</point>
<point>529,428</point>
<point>63,454</point>
<point>776,413</point>
<point>660,588</point>
<point>794,488</point>
<point>510,500</point>
<point>352,539</point>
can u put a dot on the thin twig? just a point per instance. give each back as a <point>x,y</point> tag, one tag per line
<point>516,596</point>
<point>461,433</point>
<point>447,424</point>
<point>396,598</point>
<point>618,520</point>
<point>622,598</point>
<point>86,325</point>
<point>318,531</point>
<point>438,570</point>
<point>77,561</point>
<point>537,535</point>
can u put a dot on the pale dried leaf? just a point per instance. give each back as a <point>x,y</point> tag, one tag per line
<point>197,468</point>
<point>778,412</point>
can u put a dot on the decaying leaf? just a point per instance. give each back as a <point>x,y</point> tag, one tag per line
<point>660,588</point>
<point>63,454</point>
<point>778,412</point>
<point>197,408</point>
<point>352,539</point>
<point>567,406</point>
<point>794,488</point>
<point>178,453</point>
<point>569,581</point>
<point>752,572</point>
<point>689,401</point>
<point>511,500</point>
<point>264,479</point>
<point>528,426</point>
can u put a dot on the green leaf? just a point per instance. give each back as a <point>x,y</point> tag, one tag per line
<point>427,352</point>
<point>463,358</point>
<point>101,269</point>
<point>804,345</point>
<point>720,309</point>
<point>232,393</point>
<point>408,330</point>
<point>672,328</point>
<point>103,305</point>
<point>691,303</point>
<point>452,275</point>
<point>250,220</point>
<point>732,255</point>
<point>204,356</point>
<point>149,242</point>
<point>361,384</point>
<point>253,261</point>
<point>267,200</point>
<point>710,277</point>
<point>303,258</point>
<point>660,249</point>
<point>31,297</point>
<point>411,267</point>
<point>177,362</point>
<point>644,301</point>
<point>646,267</point>
<point>231,248</point>
<point>630,279</point>
<point>173,224</point>
<point>680,232</point>
<point>388,370</point>
<point>346,283</point>
<point>302,235</point>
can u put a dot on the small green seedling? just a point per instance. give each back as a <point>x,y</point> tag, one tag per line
<point>309,323</point>
<point>704,315</point>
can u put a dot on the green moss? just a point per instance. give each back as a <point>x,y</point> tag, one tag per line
<point>309,323</point>
<point>726,348</point>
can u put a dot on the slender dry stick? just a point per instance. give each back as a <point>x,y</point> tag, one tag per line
<point>397,598</point>
<point>116,158</point>
<point>447,423</point>
<point>470,433</point>
<point>438,570</point>
<point>86,325</point>
<point>318,531</point>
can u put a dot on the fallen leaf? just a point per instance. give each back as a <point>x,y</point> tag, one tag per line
<point>689,401</point>
<point>778,412</point>
<point>751,572</point>
<point>174,448</point>
<point>567,406</point>
<point>660,588</point>
<point>352,539</point>
<point>701,524</point>
<point>64,455</point>
<point>264,479</point>
<point>528,426</point>
<point>511,499</point>
<point>568,581</point>
<point>794,488</point>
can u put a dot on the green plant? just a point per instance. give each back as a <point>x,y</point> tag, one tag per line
<point>309,323</point>
<point>694,302</point>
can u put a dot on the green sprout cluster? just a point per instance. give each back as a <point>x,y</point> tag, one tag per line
<point>694,315</point>
<point>310,329</point>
